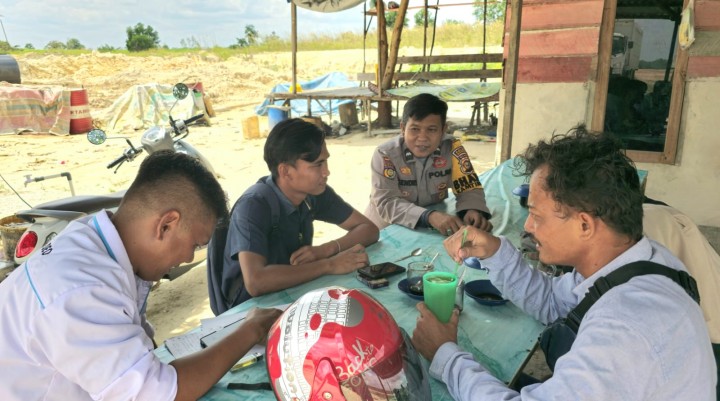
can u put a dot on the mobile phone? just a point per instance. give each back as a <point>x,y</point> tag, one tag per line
<point>381,270</point>
<point>373,283</point>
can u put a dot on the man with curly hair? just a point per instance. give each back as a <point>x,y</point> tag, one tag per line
<point>618,329</point>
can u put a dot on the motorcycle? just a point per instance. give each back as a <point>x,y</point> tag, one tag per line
<point>48,219</point>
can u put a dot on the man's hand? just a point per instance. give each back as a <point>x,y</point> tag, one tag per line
<point>444,223</point>
<point>476,219</point>
<point>260,320</point>
<point>430,334</point>
<point>478,243</point>
<point>349,260</point>
<point>306,254</point>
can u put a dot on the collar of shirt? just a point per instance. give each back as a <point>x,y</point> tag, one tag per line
<point>111,239</point>
<point>287,207</point>
<point>642,250</point>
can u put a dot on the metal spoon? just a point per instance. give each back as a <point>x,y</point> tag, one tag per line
<point>415,252</point>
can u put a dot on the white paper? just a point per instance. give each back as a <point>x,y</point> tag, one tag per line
<point>184,344</point>
<point>187,343</point>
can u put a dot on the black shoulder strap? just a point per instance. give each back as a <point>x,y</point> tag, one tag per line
<point>623,275</point>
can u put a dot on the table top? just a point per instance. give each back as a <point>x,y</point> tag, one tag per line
<point>500,337</point>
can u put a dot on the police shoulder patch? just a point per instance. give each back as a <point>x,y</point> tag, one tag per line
<point>388,168</point>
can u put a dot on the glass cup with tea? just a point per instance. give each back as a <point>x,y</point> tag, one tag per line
<point>415,273</point>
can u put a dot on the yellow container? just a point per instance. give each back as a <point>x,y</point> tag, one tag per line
<point>251,128</point>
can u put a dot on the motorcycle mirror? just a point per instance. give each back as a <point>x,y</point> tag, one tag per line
<point>180,91</point>
<point>96,136</point>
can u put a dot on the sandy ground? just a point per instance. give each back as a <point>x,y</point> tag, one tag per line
<point>234,87</point>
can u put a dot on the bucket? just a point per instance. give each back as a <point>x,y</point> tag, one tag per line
<point>80,120</point>
<point>251,128</point>
<point>277,114</point>
<point>11,228</point>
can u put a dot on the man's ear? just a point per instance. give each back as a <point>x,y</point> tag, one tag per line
<point>283,170</point>
<point>168,222</point>
<point>588,224</point>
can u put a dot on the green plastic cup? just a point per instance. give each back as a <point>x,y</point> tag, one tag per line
<point>439,293</point>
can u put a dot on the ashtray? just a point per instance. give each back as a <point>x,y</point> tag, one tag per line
<point>484,292</point>
<point>404,287</point>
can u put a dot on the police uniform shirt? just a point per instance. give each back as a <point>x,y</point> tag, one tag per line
<point>404,186</point>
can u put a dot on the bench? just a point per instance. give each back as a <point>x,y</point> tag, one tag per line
<point>491,68</point>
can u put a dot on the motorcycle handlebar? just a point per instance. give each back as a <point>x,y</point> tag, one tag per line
<point>117,161</point>
<point>193,119</point>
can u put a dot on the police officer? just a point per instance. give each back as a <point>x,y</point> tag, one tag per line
<point>415,170</point>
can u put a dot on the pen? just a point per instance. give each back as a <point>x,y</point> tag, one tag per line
<point>248,361</point>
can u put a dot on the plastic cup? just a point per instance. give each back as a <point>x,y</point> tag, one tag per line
<point>439,292</point>
<point>415,273</point>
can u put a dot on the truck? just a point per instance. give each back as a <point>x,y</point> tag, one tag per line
<point>627,41</point>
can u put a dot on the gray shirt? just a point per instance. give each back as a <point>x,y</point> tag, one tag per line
<point>404,186</point>
<point>643,340</point>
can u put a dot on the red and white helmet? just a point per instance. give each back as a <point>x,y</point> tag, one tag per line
<point>336,344</point>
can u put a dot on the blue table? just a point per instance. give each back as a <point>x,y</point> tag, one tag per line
<point>502,338</point>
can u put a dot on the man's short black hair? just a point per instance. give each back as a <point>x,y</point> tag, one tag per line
<point>590,173</point>
<point>292,140</point>
<point>422,105</point>
<point>166,173</point>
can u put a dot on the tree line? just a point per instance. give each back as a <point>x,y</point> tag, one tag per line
<point>144,37</point>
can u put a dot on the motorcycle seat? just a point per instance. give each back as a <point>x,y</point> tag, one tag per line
<point>82,203</point>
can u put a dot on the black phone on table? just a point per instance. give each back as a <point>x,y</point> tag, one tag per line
<point>381,270</point>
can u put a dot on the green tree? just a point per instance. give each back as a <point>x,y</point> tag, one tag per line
<point>105,48</point>
<point>390,17</point>
<point>55,45</point>
<point>29,46</point>
<point>5,46</point>
<point>73,43</point>
<point>241,42</point>
<point>251,35</point>
<point>495,10</point>
<point>420,18</point>
<point>141,37</point>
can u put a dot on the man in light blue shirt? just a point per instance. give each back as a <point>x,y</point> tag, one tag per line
<point>645,339</point>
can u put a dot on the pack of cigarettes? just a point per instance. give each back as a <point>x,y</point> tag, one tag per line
<point>373,283</point>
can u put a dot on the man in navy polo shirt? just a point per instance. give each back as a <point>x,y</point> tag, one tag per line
<point>269,241</point>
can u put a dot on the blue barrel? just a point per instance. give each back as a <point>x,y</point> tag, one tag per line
<point>277,114</point>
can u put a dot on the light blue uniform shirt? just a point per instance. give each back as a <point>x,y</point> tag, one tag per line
<point>643,340</point>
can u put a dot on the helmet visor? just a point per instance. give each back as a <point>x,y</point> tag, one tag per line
<point>398,377</point>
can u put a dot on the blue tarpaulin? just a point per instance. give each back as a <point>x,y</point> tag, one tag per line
<point>300,106</point>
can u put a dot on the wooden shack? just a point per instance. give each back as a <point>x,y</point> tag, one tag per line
<point>564,77</point>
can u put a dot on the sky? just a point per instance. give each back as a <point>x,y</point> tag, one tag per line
<point>97,23</point>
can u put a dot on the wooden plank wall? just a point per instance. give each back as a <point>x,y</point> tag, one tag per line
<point>559,40</point>
<point>704,54</point>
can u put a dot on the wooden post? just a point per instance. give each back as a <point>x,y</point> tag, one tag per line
<point>395,45</point>
<point>293,39</point>
<point>425,26</point>
<point>384,107</point>
<point>603,65</point>
<point>511,65</point>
